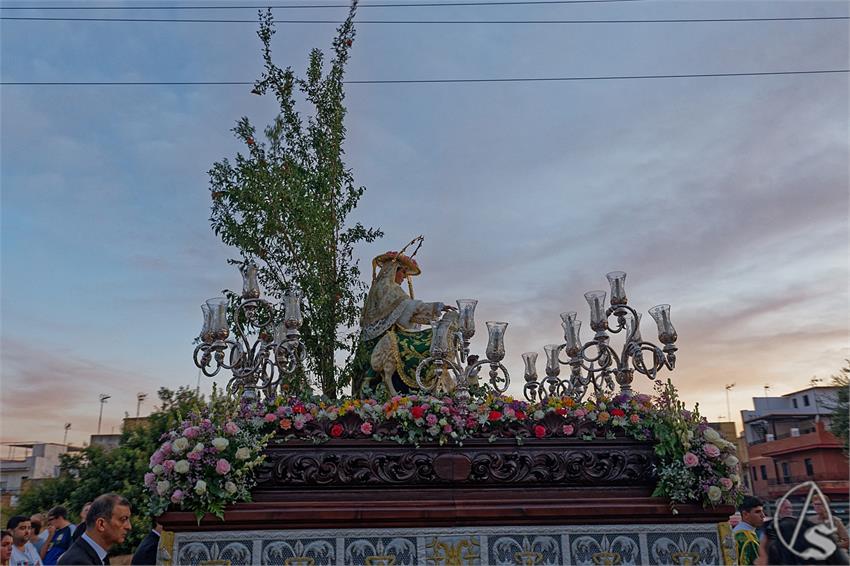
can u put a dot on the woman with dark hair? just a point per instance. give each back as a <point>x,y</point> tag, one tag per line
<point>790,543</point>
<point>5,547</point>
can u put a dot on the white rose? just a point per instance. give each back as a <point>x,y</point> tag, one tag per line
<point>731,461</point>
<point>711,435</point>
<point>162,487</point>
<point>230,487</point>
<point>243,453</point>
<point>220,443</point>
<point>201,487</point>
<point>714,493</point>
<point>198,447</point>
<point>158,469</point>
<point>182,467</point>
<point>180,445</point>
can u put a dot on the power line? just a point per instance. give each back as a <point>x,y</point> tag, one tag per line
<point>314,6</point>
<point>440,22</point>
<point>432,81</point>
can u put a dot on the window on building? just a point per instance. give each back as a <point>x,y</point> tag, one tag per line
<point>796,406</point>
<point>763,472</point>
<point>755,477</point>
<point>806,400</point>
<point>786,474</point>
<point>810,468</point>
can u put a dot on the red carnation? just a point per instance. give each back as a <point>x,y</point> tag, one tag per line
<point>348,42</point>
<point>539,431</point>
<point>298,409</point>
<point>418,412</point>
<point>250,141</point>
<point>336,430</point>
<point>520,415</point>
<point>618,413</point>
<point>495,415</point>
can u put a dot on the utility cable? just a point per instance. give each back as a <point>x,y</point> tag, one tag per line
<point>433,81</point>
<point>314,6</point>
<point>431,22</point>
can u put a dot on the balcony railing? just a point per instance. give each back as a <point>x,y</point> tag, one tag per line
<point>788,480</point>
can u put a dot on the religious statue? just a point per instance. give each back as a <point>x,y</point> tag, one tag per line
<point>391,342</point>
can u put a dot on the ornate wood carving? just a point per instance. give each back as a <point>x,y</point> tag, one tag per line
<point>353,463</point>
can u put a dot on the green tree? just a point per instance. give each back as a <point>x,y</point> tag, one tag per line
<point>841,409</point>
<point>285,204</point>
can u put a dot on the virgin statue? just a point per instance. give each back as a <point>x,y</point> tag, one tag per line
<point>391,342</point>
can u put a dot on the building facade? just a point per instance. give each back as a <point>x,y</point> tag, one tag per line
<point>788,443</point>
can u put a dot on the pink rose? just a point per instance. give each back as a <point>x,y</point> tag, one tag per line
<point>150,479</point>
<point>165,449</point>
<point>711,450</point>
<point>726,483</point>
<point>690,459</point>
<point>222,467</point>
<point>270,417</point>
<point>195,456</point>
<point>168,465</point>
<point>366,428</point>
<point>191,432</point>
<point>568,429</point>
<point>635,419</point>
<point>156,458</point>
<point>580,413</point>
<point>177,496</point>
<point>231,428</point>
<point>431,419</point>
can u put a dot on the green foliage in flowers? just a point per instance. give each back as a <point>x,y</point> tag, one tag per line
<point>285,205</point>
<point>695,464</point>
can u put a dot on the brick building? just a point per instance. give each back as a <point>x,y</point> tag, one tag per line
<point>788,443</point>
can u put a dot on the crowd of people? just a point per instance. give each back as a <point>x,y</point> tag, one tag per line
<point>45,540</point>
<point>783,539</point>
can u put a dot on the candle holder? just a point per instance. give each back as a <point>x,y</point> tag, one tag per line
<point>265,348</point>
<point>595,362</point>
<point>454,367</point>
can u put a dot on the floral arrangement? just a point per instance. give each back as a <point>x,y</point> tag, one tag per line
<point>205,465</point>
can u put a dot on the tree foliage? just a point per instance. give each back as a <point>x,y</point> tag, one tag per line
<point>95,471</point>
<point>285,204</point>
<point>839,425</point>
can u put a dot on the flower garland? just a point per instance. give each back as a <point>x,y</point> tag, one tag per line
<point>204,465</point>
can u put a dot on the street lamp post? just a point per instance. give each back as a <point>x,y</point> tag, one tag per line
<point>139,398</point>
<point>728,410</point>
<point>65,439</point>
<point>103,399</point>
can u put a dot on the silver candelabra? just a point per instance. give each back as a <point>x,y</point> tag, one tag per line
<point>596,362</point>
<point>455,369</point>
<point>257,362</point>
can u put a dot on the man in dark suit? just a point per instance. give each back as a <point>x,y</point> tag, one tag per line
<point>107,524</point>
<point>146,553</point>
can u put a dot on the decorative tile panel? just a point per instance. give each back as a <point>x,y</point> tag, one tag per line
<point>592,545</point>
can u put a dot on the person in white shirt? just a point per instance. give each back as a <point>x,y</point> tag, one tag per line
<point>23,552</point>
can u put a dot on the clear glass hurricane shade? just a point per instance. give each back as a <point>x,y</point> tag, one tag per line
<point>530,361</point>
<point>218,317</point>
<point>440,339</point>
<point>596,301</point>
<point>617,279</point>
<point>280,332</point>
<point>206,329</point>
<point>292,309</point>
<point>466,311</point>
<point>632,329</point>
<point>496,340</point>
<point>250,284</point>
<point>553,367</point>
<point>666,332</point>
<point>572,336</point>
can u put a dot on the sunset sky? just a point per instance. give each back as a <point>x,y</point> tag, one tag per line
<point>726,197</point>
